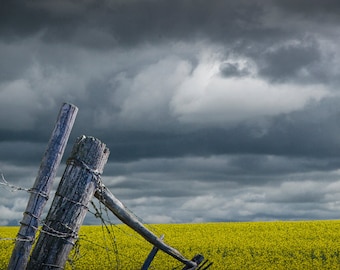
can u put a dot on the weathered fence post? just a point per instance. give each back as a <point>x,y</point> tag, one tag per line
<point>69,206</point>
<point>42,186</point>
<point>105,196</point>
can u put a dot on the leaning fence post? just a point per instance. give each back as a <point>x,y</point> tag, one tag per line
<point>42,186</point>
<point>104,195</point>
<point>69,206</point>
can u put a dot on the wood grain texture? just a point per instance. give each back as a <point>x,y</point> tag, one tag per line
<point>42,186</point>
<point>69,206</point>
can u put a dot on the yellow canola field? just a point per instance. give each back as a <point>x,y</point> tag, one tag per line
<point>239,245</point>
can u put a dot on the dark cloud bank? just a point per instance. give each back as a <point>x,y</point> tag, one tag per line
<point>212,110</point>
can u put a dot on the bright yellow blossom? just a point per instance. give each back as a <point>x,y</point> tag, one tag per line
<point>239,245</point>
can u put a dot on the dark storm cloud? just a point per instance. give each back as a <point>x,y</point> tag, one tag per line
<point>311,8</point>
<point>240,169</point>
<point>233,70</point>
<point>129,21</point>
<point>285,63</point>
<point>240,26</point>
<point>212,110</point>
<point>300,133</point>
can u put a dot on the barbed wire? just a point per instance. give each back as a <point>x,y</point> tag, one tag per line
<point>99,215</point>
<point>134,235</point>
<point>77,252</point>
<point>42,227</point>
<point>13,188</point>
<point>107,225</point>
<point>4,182</point>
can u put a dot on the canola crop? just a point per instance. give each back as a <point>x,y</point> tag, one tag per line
<point>239,245</point>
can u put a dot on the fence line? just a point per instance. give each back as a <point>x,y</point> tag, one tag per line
<point>80,182</point>
<point>70,204</point>
<point>4,182</point>
<point>107,225</point>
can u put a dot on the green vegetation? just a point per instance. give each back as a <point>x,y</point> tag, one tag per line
<point>240,245</point>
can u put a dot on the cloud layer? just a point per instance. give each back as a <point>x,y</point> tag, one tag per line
<point>212,110</point>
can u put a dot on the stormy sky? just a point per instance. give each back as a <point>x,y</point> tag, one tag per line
<point>212,110</point>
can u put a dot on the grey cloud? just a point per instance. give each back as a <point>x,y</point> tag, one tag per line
<point>8,215</point>
<point>15,59</point>
<point>311,8</point>
<point>251,203</point>
<point>198,189</point>
<point>236,25</point>
<point>290,62</point>
<point>294,134</point>
<point>124,62</point>
<point>132,22</point>
<point>298,192</point>
<point>23,153</point>
<point>233,70</point>
<point>152,177</point>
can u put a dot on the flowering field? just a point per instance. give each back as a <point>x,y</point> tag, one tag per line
<point>244,245</point>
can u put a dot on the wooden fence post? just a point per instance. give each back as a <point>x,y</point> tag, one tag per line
<point>69,206</point>
<point>105,196</point>
<point>42,186</point>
